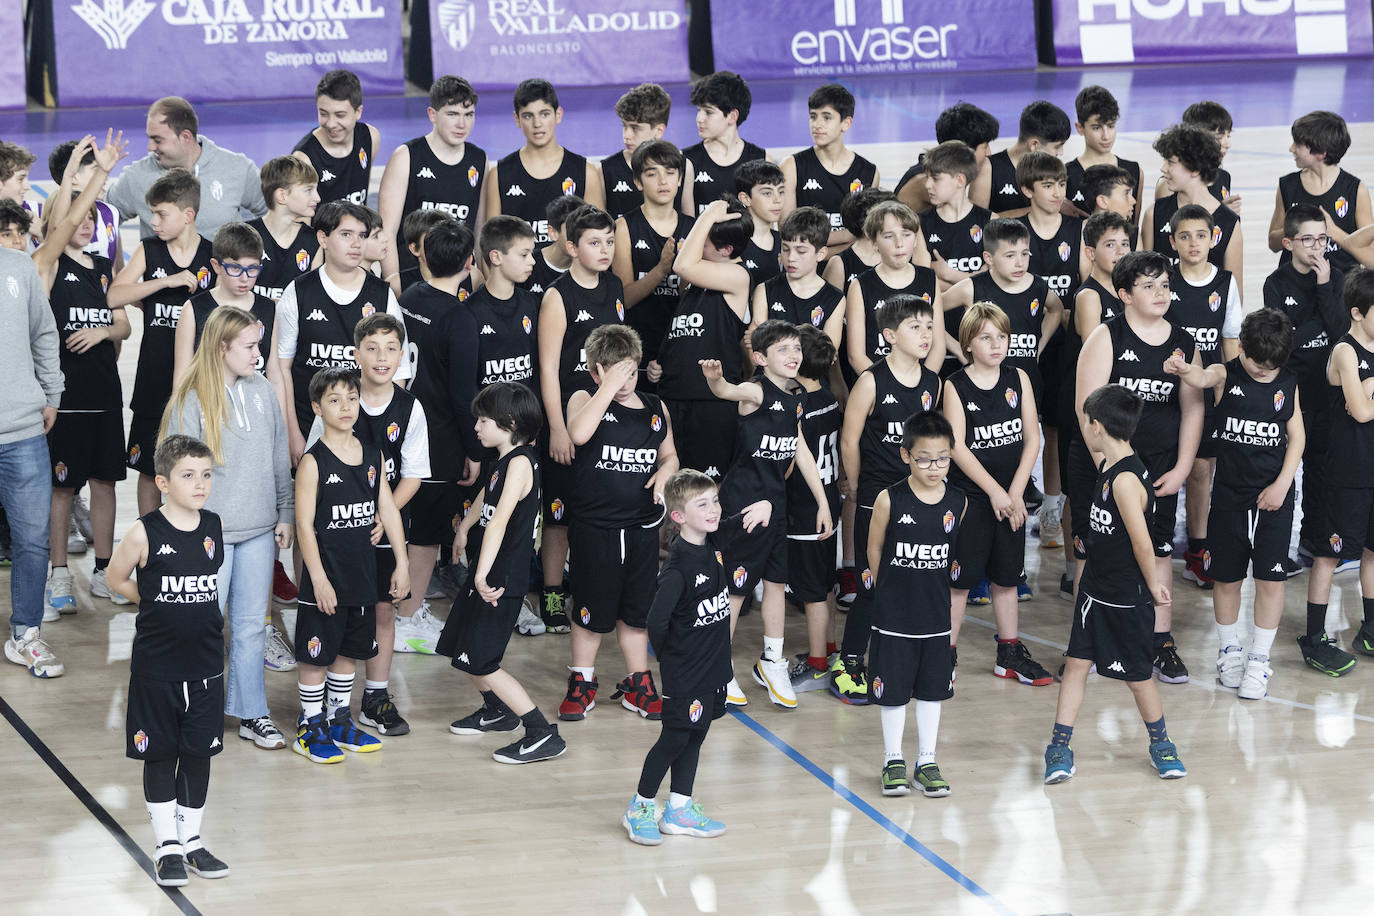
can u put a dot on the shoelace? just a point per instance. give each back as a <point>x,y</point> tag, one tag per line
<point>642,815</point>
<point>553,603</point>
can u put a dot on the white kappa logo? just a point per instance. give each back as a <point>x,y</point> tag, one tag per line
<point>702,578</point>
<point>316,315</point>
<point>703,177</point>
<point>811,185</point>
<point>165,550</point>
<point>1235,389</point>
<point>1007,189</point>
<point>889,399</point>
<point>515,191</point>
<point>424,173</point>
<point>1129,357</point>
<point>326,175</point>
<point>582,315</point>
<point>1117,667</point>
<point>487,329</point>
<point>933,238</point>
<point>333,478</point>
<point>114,20</point>
<point>621,186</point>
<point>906,520</point>
<point>641,244</point>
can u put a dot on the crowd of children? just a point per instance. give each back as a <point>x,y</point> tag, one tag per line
<point>666,387</point>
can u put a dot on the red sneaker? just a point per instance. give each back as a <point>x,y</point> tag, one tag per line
<point>283,589</point>
<point>1195,568</point>
<point>849,587</point>
<point>638,694</point>
<point>581,698</point>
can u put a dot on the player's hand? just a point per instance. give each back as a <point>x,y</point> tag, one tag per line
<point>326,599</point>
<point>849,487</point>
<point>78,153</point>
<point>824,524</point>
<point>1321,267</point>
<point>84,339</point>
<point>718,211</point>
<point>1367,385</point>
<point>1160,592</point>
<point>561,446</point>
<point>49,418</point>
<point>378,529</point>
<point>1001,503</point>
<point>285,535</point>
<point>181,278</point>
<point>1069,208</point>
<point>1170,483</point>
<point>657,483</point>
<point>400,584</point>
<point>712,369</point>
<point>653,371</point>
<point>115,149</point>
<point>1018,514</point>
<point>1233,204</point>
<point>460,545</point>
<point>1176,365</point>
<point>472,468</point>
<point>618,376</point>
<point>1272,497</point>
<point>295,443</point>
<point>665,259</point>
<point>760,513</point>
<point>486,592</point>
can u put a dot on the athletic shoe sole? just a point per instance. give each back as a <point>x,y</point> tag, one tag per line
<point>402,729</point>
<point>762,680</point>
<point>305,752</point>
<point>247,734</point>
<point>1009,674</point>
<point>1058,776</point>
<point>358,748</point>
<point>1170,680</point>
<point>212,873</point>
<point>501,758</point>
<point>636,838</point>
<point>668,828</point>
<point>577,716</point>
<point>643,713</point>
<point>1197,580</point>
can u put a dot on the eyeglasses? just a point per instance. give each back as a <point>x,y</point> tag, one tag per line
<point>1312,241</point>
<point>926,463</point>
<point>238,270</point>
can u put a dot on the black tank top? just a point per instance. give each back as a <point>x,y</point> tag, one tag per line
<point>1338,201</point>
<point>1073,344</point>
<point>817,186</point>
<point>282,265</point>
<point>1139,367</point>
<point>1055,259</point>
<point>650,316</point>
<point>345,511</point>
<point>1251,435</point>
<point>612,468</point>
<point>179,631</point>
<point>543,276</point>
<point>704,327</point>
<point>875,291</point>
<point>324,332</point>
<point>507,338</point>
<point>78,302</point>
<point>525,196</point>
<point>1225,221</point>
<point>765,444</point>
<point>762,265</point>
<point>1111,573</point>
<point>153,377</point>
<point>387,432</point>
<point>1349,438</point>
<point>1201,311</point>
<point>814,310</point>
<point>712,181</point>
<point>820,424</point>
<point>993,429</point>
<point>959,243</point>
<point>911,597</point>
<point>622,196</point>
<point>585,310</point>
<point>264,309</point>
<point>341,179</point>
<point>880,442</point>
<point>853,266</point>
<point>435,185</point>
<point>1006,193</point>
<point>511,568</point>
<point>1026,312</point>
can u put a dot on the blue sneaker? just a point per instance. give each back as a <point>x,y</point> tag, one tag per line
<point>313,741</point>
<point>1058,764</point>
<point>348,736</point>
<point>1164,756</point>
<point>980,595</point>
<point>1023,591</point>
<point>640,824</point>
<point>689,821</point>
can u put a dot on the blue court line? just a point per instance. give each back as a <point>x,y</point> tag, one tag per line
<point>872,813</point>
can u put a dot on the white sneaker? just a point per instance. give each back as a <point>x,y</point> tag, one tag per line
<point>33,653</point>
<point>277,654</point>
<point>529,622</point>
<point>57,594</point>
<point>100,588</point>
<point>734,694</point>
<point>1230,665</point>
<point>412,638</point>
<point>262,732</point>
<point>76,544</point>
<point>1254,684</point>
<point>775,677</point>
<point>1051,529</point>
<point>423,618</point>
<point>81,517</point>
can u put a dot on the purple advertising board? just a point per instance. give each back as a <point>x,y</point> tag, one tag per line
<point>768,39</point>
<point>497,43</point>
<point>11,55</point>
<point>134,51</point>
<point>1127,31</point>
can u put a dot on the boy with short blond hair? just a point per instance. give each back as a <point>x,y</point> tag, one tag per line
<point>289,245</point>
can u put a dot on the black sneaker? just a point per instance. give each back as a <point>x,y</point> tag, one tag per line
<point>203,863</point>
<point>532,748</point>
<point>486,719</point>
<point>1066,586</point>
<point>1363,642</point>
<point>171,870</point>
<point>1168,667</point>
<point>1014,661</point>
<point>554,613</point>
<point>1322,654</point>
<point>379,712</point>
<point>1291,567</point>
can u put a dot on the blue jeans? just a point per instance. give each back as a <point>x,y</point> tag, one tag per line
<point>26,492</point>
<point>245,583</point>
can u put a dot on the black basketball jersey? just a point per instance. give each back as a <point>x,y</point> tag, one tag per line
<point>179,631</point>
<point>386,431</point>
<point>1073,344</point>
<point>853,265</point>
<point>435,185</point>
<point>511,568</point>
<point>704,327</point>
<point>817,186</point>
<point>1318,316</point>
<point>689,620</point>
<point>422,306</point>
<point>959,243</point>
<point>880,442</point>
<point>440,329</point>
<point>622,196</point>
<point>1073,188</point>
<point>712,181</point>
<point>507,338</point>
<point>1006,193</point>
<point>766,442</point>
<point>1055,259</point>
<point>1350,442</point>
<point>1225,223</point>
<point>1026,313</point>
<point>78,302</point>
<point>875,292</point>
<point>264,310</point>
<point>324,332</point>
<point>346,178</point>
<point>1251,435</point>
<point>543,276</point>
<point>525,196</point>
<point>993,429</point>
<point>786,305</point>
<point>346,498</point>
<point>1139,367</point>
<point>820,425</point>
<point>153,377</point>
<point>1111,573</point>
<point>762,265</point>
<point>650,315</point>
<point>585,310</point>
<point>1338,202</point>
<point>282,265</point>
<point>1221,188</point>
<point>911,596</point>
<point>1201,311</point>
<point>613,467</point>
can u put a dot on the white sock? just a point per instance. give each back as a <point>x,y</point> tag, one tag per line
<point>676,801</point>
<point>927,729</point>
<point>338,690</point>
<point>1263,641</point>
<point>588,674</point>
<point>772,648</point>
<point>1229,633</point>
<point>375,685</point>
<point>641,800</point>
<point>164,818</point>
<point>312,698</point>
<point>188,827</point>
<point>894,723</point>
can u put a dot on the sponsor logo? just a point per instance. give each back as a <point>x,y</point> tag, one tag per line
<point>641,244</point>
<point>1008,189</point>
<point>1235,389</point>
<point>1117,667</point>
<point>1128,356</point>
<point>934,237</point>
<point>609,418</point>
<point>114,21</point>
<point>209,545</point>
<point>71,277</point>
<point>703,177</point>
<point>424,172</point>
<point>326,175</point>
<point>906,520</point>
<point>582,315</point>
<point>889,399</point>
<point>811,185</point>
<point>622,187</point>
<point>487,329</point>
<point>166,550</point>
<point>777,405</point>
<point>140,741</point>
<point>312,648</point>
<point>694,710</point>
<point>740,577</point>
<point>702,579</point>
<point>778,307</point>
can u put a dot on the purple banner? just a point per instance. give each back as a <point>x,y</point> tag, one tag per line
<point>134,51</point>
<point>497,43</point>
<point>11,55</point>
<point>1124,31</point>
<point>770,39</point>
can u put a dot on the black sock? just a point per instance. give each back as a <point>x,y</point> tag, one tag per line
<point>534,721</point>
<point>1197,545</point>
<point>491,701</point>
<point>1368,611</point>
<point>1162,638</point>
<point>1316,619</point>
<point>101,564</point>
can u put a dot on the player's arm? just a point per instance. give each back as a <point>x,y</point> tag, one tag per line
<point>959,296</point>
<point>1234,260</point>
<point>1131,501</point>
<point>1273,496</point>
<point>856,411</point>
<point>1054,317</point>
<point>465,525</point>
<point>805,462</point>
<point>414,457</point>
<point>491,193</point>
<point>1189,437</point>
<point>1194,374</point>
<point>690,266</point>
<point>973,469</point>
<point>913,194</point>
<point>940,339</point>
<point>856,315</point>
<point>307,491</point>
<point>747,393</point>
<point>130,552</point>
<point>1276,224</point>
<point>1345,374</point>
<point>1363,217</point>
<point>1147,230</point>
<point>833,328</point>
<point>184,345</point>
<point>877,532</point>
<point>129,289</point>
<point>519,481</point>
<point>668,462</point>
<point>622,265</point>
<point>1360,245</point>
<point>1231,321</point>
<point>789,186</point>
<point>1030,450</point>
<point>390,517</point>
<point>553,324</point>
<point>1094,368</point>
<point>1087,312</point>
<point>666,599</point>
<point>980,192</point>
<point>391,200</point>
<point>596,187</point>
<point>758,310</point>
<point>587,409</point>
<point>689,177</point>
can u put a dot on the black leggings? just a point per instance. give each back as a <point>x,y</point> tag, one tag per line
<point>186,781</point>
<point>676,749</point>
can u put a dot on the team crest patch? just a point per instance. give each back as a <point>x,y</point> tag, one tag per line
<point>975,233</point>
<point>495,476</point>
<point>954,571</point>
<point>302,260</point>
<point>1214,301</point>
<point>948,521</point>
<point>140,741</point>
<point>369,310</point>
<point>694,711</point>
<point>925,400</point>
<point>60,471</point>
<point>878,687</point>
<point>867,577</point>
<point>620,309</point>
<point>526,323</point>
<point>462,295</point>
<point>817,314</point>
<point>586,616</point>
<point>393,432</point>
<point>104,284</point>
<point>1065,249</point>
<point>472,175</point>
<point>1106,488</point>
<point>925,297</point>
<point>203,278</point>
<point>569,186</point>
<point>720,558</point>
<point>1078,544</point>
<point>313,647</point>
<point>371,475</point>
<point>1336,543</point>
<point>1207,559</point>
<point>262,331</point>
<point>1342,206</point>
<point>362,158</point>
<point>740,577</point>
<point>1035,307</point>
<point>557,507</point>
<point>855,185</point>
<point>656,423</point>
<point>467,504</point>
<point>135,453</point>
<point>799,410</point>
<point>1178,353</point>
<point>1011,397</point>
<point>1279,400</point>
<point>1216,235</point>
<point>209,544</point>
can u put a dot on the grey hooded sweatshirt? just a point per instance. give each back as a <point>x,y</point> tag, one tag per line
<point>230,187</point>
